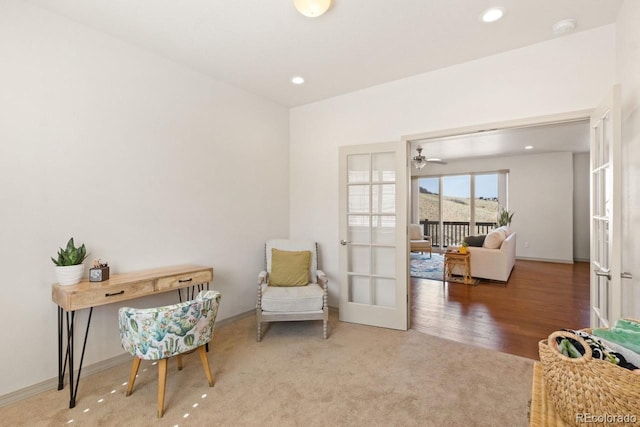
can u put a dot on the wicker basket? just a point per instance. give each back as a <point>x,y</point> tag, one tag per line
<point>587,386</point>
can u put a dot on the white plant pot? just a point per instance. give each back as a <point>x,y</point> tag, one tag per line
<point>69,275</point>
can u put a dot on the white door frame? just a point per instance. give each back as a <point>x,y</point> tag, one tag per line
<point>506,124</point>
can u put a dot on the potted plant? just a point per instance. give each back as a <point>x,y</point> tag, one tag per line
<point>504,217</point>
<point>69,267</point>
<point>463,247</point>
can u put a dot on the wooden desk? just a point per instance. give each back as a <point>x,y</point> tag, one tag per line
<point>120,287</point>
<point>456,259</point>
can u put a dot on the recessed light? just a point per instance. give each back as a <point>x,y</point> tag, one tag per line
<point>528,147</point>
<point>297,80</point>
<point>492,14</point>
<point>564,26</point>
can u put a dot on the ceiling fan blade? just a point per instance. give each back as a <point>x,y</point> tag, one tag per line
<point>438,162</point>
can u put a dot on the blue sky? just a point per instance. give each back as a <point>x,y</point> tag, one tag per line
<point>458,185</point>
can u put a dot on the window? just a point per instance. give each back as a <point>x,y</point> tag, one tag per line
<point>455,206</point>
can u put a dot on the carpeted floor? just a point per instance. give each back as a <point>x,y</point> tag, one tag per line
<point>360,376</point>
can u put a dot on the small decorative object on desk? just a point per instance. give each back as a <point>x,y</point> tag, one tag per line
<point>99,272</point>
<point>463,247</point>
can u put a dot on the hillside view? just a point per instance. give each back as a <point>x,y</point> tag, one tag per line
<point>456,208</point>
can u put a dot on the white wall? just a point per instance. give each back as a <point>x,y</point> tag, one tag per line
<point>541,202</point>
<point>581,239</point>
<point>628,74</point>
<point>567,74</point>
<point>147,162</point>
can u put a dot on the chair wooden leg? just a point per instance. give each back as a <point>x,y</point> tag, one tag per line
<point>205,364</point>
<point>162,385</point>
<point>132,375</point>
<point>324,329</point>
<point>179,357</point>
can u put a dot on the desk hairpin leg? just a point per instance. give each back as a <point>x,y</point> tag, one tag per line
<point>68,358</point>
<point>199,287</point>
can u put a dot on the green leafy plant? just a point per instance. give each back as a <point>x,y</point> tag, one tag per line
<point>70,255</point>
<point>464,244</point>
<point>504,217</point>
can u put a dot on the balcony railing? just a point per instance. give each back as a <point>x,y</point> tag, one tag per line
<point>453,231</point>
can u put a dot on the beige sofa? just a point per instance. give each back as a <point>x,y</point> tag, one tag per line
<point>494,264</point>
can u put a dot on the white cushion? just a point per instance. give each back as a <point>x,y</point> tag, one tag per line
<point>295,298</point>
<point>415,232</point>
<point>494,239</point>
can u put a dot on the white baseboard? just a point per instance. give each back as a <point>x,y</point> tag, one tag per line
<point>103,365</point>
<point>558,261</point>
<point>52,384</point>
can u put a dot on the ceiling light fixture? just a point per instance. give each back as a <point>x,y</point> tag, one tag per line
<point>297,80</point>
<point>419,161</point>
<point>565,26</point>
<point>528,147</point>
<point>493,14</point>
<point>312,8</point>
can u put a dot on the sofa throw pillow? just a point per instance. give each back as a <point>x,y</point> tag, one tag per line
<point>494,239</point>
<point>506,229</point>
<point>289,268</point>
<point>475,241</point>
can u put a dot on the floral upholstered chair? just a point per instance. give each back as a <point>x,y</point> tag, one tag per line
<point>162,332</point>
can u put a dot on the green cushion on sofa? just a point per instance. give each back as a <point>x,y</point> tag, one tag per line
<point>289,268</point>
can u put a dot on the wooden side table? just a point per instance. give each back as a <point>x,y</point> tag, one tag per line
<point>456,259</point>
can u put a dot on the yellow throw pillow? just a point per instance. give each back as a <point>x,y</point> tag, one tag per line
<point>289,268</point>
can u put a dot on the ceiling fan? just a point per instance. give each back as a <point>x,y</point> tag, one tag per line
<point>421,161</point>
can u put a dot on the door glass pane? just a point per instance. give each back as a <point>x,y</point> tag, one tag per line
<point>456,201</point>
<point>595,182</point>
<point>384,167</point>
<point>605,244</point>
<point>385,292</point>
<point>358,230</point>
<point>384,198</point>
<point>358,168</point>
<point>358,198</point>
<point>486,202</point>
<point>359,259</point>
<point>384,229</point>
<point>359,289</point>
<point>603,297</point>
<point>606,138</point>
<point>384,261</point>
<point>429,207</point>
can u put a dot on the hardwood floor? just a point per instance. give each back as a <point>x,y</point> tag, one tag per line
<point>539,298</point>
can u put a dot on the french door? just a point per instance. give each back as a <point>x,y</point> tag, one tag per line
<point>373,235</point>
<point>606,295</point>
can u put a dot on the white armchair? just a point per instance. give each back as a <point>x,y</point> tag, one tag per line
<point>291,287</point>
<point>419,242</point>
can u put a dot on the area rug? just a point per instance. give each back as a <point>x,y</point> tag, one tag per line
<point>427,266</point>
